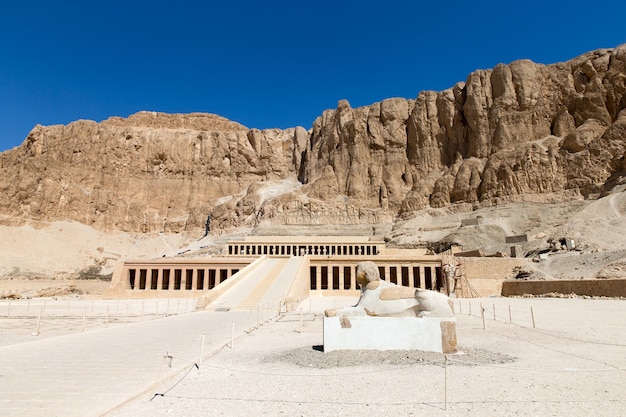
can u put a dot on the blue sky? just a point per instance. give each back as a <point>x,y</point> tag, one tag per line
<point>266,64</point>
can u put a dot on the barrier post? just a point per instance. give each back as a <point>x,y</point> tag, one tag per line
<point>202,347</point>
<point>482,309</point>
<point>445,383</point>
<point>38,322</point>
<point>532,315</point>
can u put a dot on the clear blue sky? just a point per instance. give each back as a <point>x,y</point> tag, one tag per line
<point>267,63</point>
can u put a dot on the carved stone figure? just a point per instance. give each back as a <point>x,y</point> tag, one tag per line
<point>384,299</point>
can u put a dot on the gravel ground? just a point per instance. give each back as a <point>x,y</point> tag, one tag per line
<point>573,363</point>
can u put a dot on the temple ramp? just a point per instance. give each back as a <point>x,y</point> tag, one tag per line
<point>269,282</point>
<point>273,288</point>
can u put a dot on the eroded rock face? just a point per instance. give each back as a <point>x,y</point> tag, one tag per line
<point>150,172</point>
<point>516,130</point>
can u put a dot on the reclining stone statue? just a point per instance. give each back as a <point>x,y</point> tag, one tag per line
<point>384,299</point>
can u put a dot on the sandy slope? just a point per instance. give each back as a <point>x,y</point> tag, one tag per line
<point>65,250</point>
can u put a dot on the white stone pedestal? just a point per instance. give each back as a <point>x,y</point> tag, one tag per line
<point>390,333</point>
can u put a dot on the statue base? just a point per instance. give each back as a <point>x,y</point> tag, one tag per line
<point>390,333</point>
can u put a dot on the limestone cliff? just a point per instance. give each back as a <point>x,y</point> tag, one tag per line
<point>519,129</point>
<point>515,132</point>
<point>150,172</point>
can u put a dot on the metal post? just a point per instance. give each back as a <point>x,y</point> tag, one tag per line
<point>532,315</point>
<point>202,347</point>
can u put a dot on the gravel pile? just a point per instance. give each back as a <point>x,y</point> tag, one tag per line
<point>314,357</point>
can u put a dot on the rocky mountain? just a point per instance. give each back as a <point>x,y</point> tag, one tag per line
<point>522,131</point>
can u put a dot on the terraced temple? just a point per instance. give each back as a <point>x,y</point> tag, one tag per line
<point>277,269</point>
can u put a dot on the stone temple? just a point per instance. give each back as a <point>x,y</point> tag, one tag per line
<point>282,271</point>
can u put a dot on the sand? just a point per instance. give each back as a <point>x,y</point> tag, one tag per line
<point>573,363</point>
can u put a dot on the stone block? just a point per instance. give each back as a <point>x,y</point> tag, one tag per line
<point>472,222</point>
<point>390,333</point>
<point>471,254</point>
<point>516,251</point>
<point>516,239</point>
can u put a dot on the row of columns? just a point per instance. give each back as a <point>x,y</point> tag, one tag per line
<point>343,277</point>
<point>301,250</point>
<point>168,279</point>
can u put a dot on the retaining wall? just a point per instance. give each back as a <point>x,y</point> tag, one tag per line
<point>591,287</point>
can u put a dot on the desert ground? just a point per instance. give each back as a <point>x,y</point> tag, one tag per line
<point>572,362</point>
<point>530,356</point>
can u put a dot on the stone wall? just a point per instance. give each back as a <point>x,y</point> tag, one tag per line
<point>486,275</point>
<point>591,287</point>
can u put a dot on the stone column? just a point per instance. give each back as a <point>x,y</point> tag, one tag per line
<point>422,277</point>
<point>160,279</point>
<point>341,278</point>
<point>194,278</point>
<point>318,276</point>
<point>411,276</point>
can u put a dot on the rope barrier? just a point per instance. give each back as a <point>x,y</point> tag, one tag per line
<point>547,333</point>
<point>177,382</point>
<point>453,359</point>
